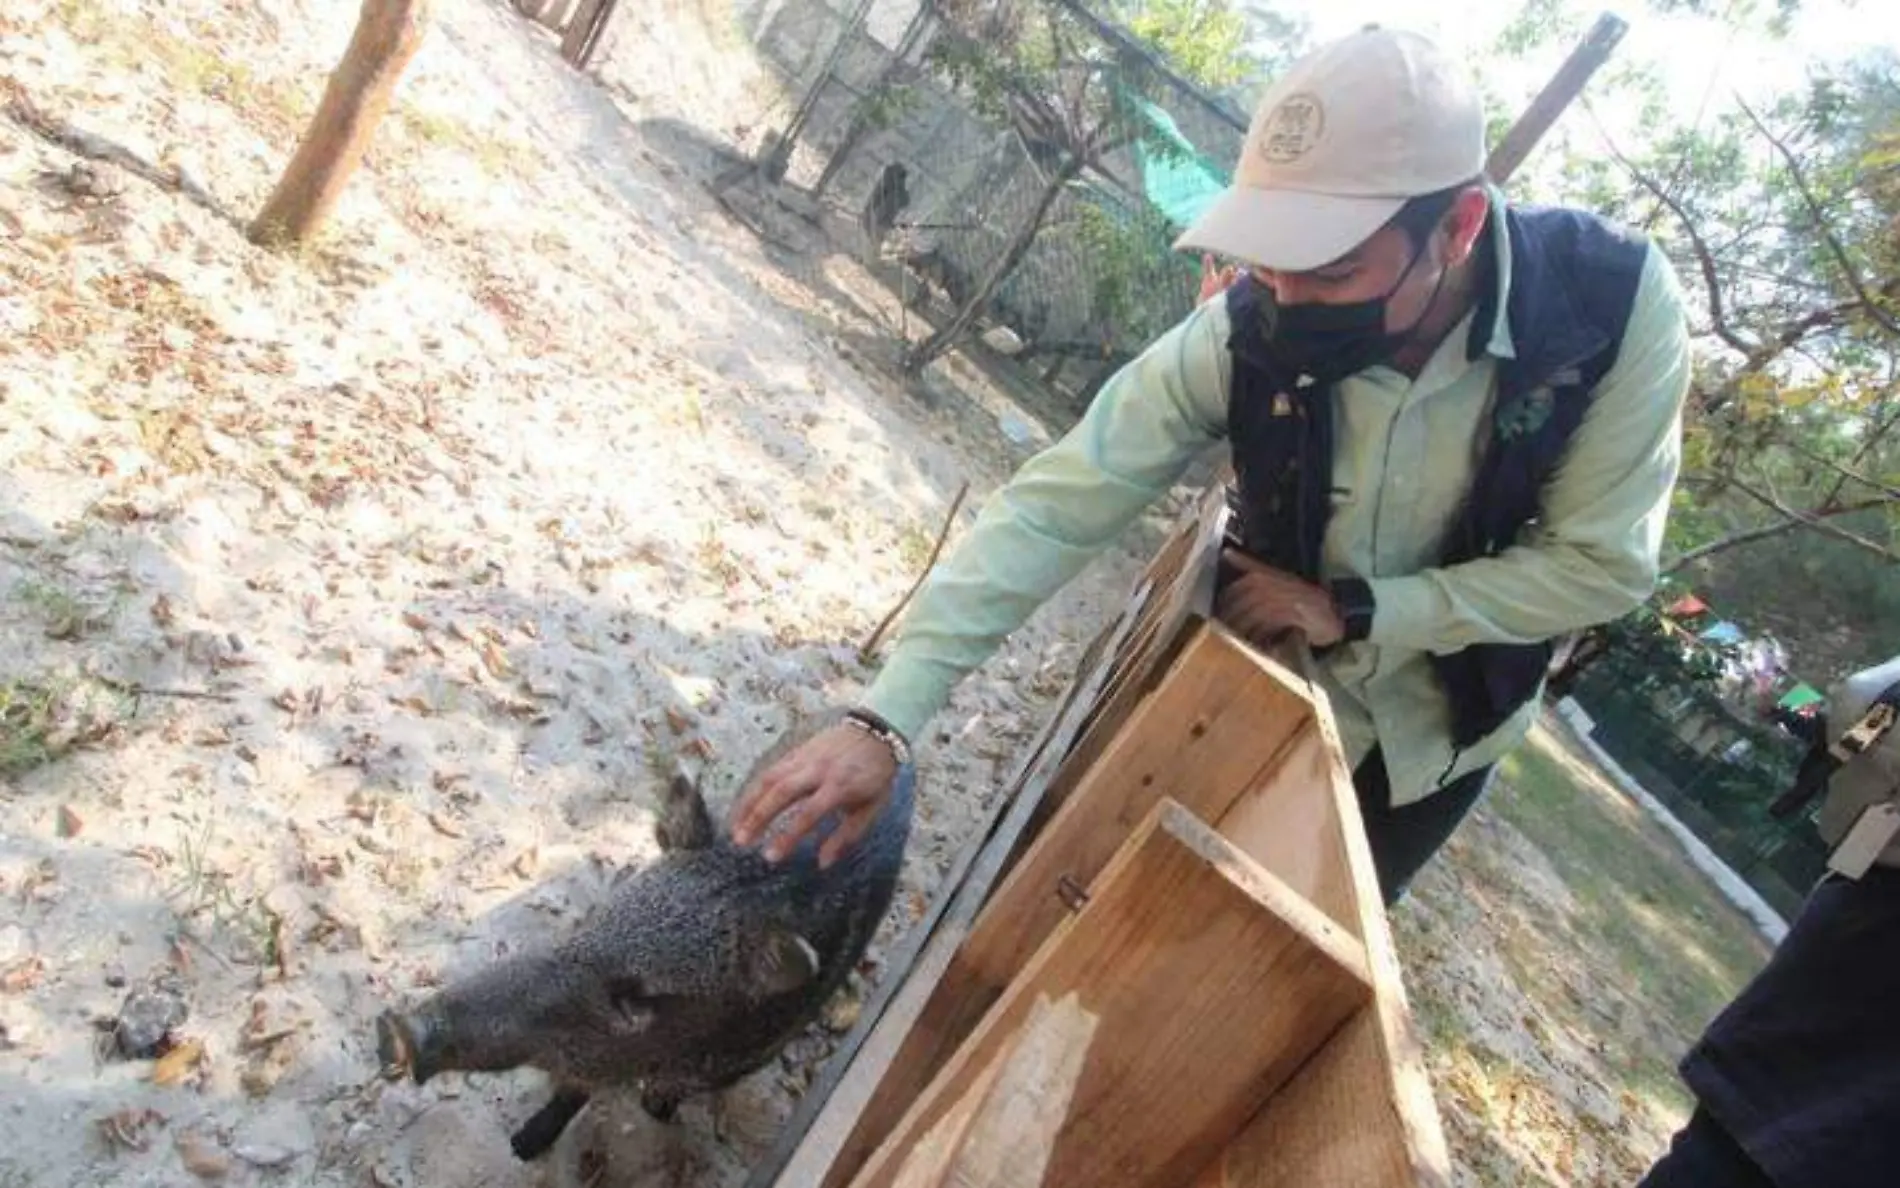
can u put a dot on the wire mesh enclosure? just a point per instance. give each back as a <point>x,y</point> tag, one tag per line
<point>1024,155</point>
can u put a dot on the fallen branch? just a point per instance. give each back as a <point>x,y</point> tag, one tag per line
<point>134,689</point>
<point>94,147</point>
<point>870,645</point>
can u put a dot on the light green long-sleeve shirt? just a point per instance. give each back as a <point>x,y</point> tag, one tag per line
<point>1406,451</point>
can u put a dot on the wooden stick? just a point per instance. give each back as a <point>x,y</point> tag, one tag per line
<point>870,645</point>
<point>1584,61</point>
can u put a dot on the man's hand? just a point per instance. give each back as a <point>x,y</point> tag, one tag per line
<point>1214,280</point>
<point>1264,602</point>
<point>843,770</point>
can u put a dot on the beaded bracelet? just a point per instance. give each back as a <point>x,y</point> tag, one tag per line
<point>882,731</point>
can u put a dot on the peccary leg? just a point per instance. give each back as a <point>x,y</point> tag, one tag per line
<point>540,1132</point>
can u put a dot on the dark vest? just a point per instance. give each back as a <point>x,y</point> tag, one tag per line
<point>1573,281</point>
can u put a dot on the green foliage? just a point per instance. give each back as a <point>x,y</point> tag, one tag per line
<point>1206,40</point>
<point>1136,270</point>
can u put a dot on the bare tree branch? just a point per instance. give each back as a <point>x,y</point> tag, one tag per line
<point>1763,532</point>
<point>1847,473</point>
<point>1818,523</point>
<point>1822,226</point>
<point>1718,318</point>
<point>1884,420</point>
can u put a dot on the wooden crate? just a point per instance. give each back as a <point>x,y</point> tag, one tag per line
<point>1163,962</point>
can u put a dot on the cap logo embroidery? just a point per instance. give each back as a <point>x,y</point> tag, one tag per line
<point>1293,127</point>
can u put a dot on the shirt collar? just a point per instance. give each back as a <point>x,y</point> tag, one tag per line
<point>1490,322</point>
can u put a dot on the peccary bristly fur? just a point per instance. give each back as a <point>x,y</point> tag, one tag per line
<point>696,971</point>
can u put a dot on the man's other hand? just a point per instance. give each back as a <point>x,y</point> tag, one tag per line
<point>842,770</point>
<point>1262,603</point>
<point>1214,279</point>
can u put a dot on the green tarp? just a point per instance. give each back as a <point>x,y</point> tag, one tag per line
<point>1175,176</point>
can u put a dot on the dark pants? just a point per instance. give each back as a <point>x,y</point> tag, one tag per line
<point>1802,1070</point>
<point>1404,839</point>
<point>1703,1155</point>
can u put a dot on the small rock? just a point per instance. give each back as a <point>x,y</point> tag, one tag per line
<point>275,1137</point>
<point>202,1158</point>
<point>115,976</point>
<point>264,1154</point>
<point>148,1017</point>
<point>70,823</point>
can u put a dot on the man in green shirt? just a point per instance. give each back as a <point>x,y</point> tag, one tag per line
<point>1455,425</point>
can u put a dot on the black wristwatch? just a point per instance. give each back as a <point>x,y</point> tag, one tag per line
<point>1352,598</point>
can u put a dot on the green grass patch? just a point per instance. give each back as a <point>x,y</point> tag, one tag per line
<point>1659,935</point>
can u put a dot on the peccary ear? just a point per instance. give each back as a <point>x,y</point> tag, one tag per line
<point>781,962</point>
<point>684,823</point>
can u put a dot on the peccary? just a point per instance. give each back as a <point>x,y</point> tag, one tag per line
<point>696,971</point>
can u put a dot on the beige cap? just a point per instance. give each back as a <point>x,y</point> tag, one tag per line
<point>1345,136</point>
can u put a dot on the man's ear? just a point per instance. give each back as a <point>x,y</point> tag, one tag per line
<point>781,962</point>
<point>1466,222</point>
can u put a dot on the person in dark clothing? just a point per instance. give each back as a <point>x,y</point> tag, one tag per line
<point>1797,1082</point>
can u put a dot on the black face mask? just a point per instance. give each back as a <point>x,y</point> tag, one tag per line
<point>1327,343</point>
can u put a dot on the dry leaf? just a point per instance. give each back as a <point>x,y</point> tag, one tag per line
<point>445,827</point>
<point>162,613</point>
<point>202,1158</point>
<point>69,821</point>
<point>127,1129</point>
<point>415,704</point>
<point>22,975</point>
<point>414,621</point>
<point>678,720</point>
<point>457,631</point>
<point>525,864</point>
<point>700,747</point>
<point>494,659</point>
<point>175,1066</point>
<point>444,780</point>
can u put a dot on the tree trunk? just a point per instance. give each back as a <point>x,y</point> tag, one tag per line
<point>388,33</point>
<point>920,356</point>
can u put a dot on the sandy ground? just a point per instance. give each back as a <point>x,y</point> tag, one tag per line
<point>351,600</point>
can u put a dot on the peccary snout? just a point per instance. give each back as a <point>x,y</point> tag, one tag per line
<point>696,971</point>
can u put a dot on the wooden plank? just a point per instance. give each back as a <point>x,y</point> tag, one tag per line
<point>1290,824</point>
<point>1210,728</point>
<point>1220,719</point>
<point>1188,599</point>
<point>808,1151</point>
<point>1361,1114</point>
<point>1563,88</point>
<point>1198,965</point>
<point>1002,1132</point>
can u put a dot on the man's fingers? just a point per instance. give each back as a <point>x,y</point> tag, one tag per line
<point>849,833</point>
<point>802,819</point>
<point>775,792</point>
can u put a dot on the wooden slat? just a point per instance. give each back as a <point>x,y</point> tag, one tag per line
<point>1244,712</point>
<point>1003,1131</point>
<point>824,1126</point>
<point>1187,598</point>
<point>1360,1114</point>
<point>1203,969</point>
<point>1217,722</point>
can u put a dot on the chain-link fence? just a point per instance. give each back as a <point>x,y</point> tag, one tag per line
<point>942,184</point>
